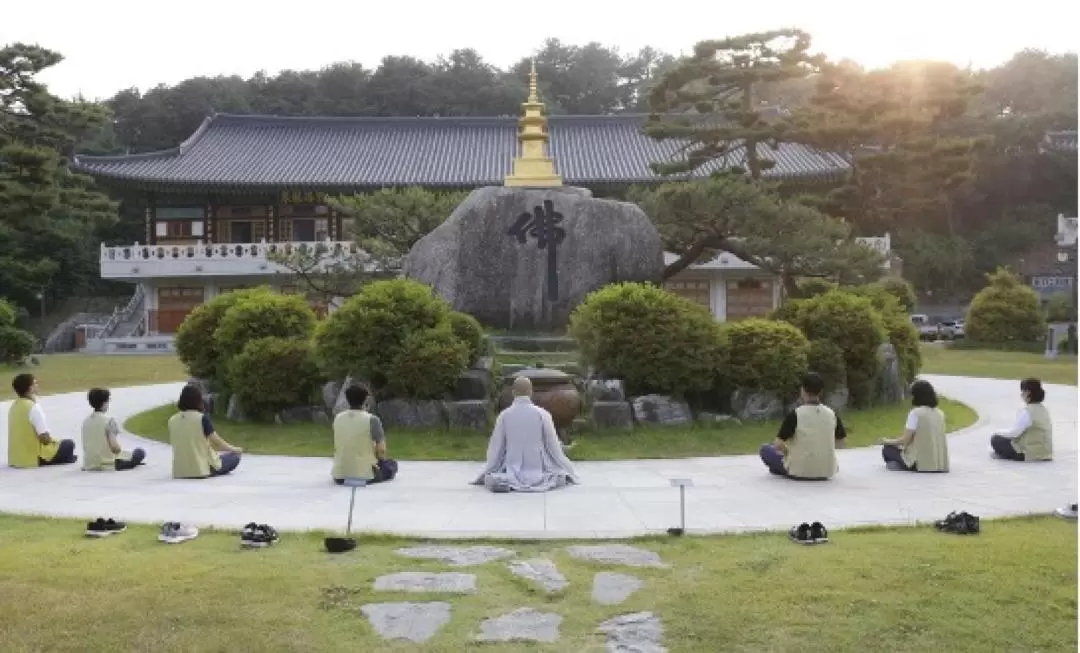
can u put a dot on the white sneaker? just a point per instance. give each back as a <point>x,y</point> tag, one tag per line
<point>174,533</point>
<point>1068,512</point>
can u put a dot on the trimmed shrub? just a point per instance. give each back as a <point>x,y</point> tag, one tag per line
<point>15,344</point>
<point>468,330</point>
<point>1059,308</point>
<point>262,315</point>
<point>851,323</point>
<point>428,365</point>
<point>766,355</point>
<point>8,314</point>
<point>653,340</point>
<point>373,330</point>
<point>827,359</point>
<point>813,286</point>
<point>1005,311</point>
<point>271,374</point>
<point>195,343</point>
<point>901,290</point>
<point>897,321</point>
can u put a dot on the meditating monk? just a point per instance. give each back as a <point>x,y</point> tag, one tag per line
<point>30,444</point>
<point>524,454</point>
<point>198,451</point>
<point>100,438</point>
<point>924,446</point>
<point>1032,437</point>
<point>360,443</point>
<point>805,446</point>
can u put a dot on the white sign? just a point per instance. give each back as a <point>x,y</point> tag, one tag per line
<point>1046,283</point>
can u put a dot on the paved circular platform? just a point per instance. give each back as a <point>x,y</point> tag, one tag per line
<point>616,499</point>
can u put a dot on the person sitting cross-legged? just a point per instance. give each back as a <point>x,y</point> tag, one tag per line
<point>360,443</point>
<point>101,447</point>
<point>1032,437</point>
<point>524,454</point>
<point>805,446</point>
<point>198,451</point>
<point>923,447</point>
<point>29,442</point>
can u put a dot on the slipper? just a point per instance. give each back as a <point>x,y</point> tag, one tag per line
<point>801,534</point>
<point>818,533</point>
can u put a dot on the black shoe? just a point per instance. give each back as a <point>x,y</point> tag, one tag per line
<point>801,534</point>
<point>959,523</point>
<point>818,533</point>
<point>339,544</point>
<point>247,535</point>
<point>269,533</point>
<point>104,527</point>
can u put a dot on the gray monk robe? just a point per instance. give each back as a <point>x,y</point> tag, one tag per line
<point>524,453</point>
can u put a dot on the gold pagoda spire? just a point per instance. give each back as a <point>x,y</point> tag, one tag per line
<point>532,167</point>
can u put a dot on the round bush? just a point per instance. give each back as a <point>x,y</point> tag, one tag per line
<point>827,359</point>
<point>901,290</point>
<point>15,344</point>
<point>766,355</point>
<point>851,323</point>
<point>653,340</point>
<point>370,331</point>
<point>468,330</point>
<point>195,343</point>
<point>901,333</point>
<point>814,286</point>
<point>271,374</point>
<point>427,366</point>
<point>262,315</point>
<point>8,314</point>
<point>1005,311</point>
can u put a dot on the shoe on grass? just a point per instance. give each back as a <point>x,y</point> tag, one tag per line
<point>818,533</point>
<point>101,527</point>
<point>1068,512</point>
<point>258,536</point>
<point>174,533</point>
<point>801,534</point>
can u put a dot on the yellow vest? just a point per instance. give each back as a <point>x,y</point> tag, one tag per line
<point>811,453</point>
<point>24,448</point>
<point>1037,441</point>
<point>97,456</point>
<point>928,451</point>
<point>354,453</point>
<point>192,455</point>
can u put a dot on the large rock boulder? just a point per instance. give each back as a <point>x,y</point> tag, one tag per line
<point>891,388</point>
<point>661,410</point>
<point>751,405</point>
<point>411,413</point>
<point>492,258</point>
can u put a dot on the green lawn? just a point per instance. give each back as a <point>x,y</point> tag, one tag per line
<point>939,359</point>
<point>59,373</point>
<point>1013,587</point>
<point>864,428</point>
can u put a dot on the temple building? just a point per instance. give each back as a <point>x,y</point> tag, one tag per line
<point>241,187</point>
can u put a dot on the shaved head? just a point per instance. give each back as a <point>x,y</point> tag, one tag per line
<point>522,387</point>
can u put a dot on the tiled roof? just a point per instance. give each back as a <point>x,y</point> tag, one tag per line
<point>337,153</point>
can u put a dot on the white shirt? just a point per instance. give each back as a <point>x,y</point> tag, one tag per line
<point>37,419</point>
<point>1023,423</point>
<point>912,422</point>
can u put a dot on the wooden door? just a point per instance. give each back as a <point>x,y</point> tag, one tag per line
<point>174,304</point>
<point>749,298</point>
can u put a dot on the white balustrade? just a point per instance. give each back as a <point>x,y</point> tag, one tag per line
<point>213,259</point>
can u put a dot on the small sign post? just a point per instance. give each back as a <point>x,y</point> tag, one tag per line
<point>352,484</point>
<point>682,484</point>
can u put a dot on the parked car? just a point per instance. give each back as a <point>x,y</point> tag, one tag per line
<point>952,330</point>
<point>927,330</point>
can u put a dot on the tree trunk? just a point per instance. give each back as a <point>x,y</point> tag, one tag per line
<point>688,258</point>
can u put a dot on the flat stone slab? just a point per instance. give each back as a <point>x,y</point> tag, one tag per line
<point>542,572</point>
<point>611,589</point>
<point>640,632</point>
<point>617,554</point>
<point>416,622</point>
<point>457,556</point>
<point>423,581</point>
<point>521,625</point>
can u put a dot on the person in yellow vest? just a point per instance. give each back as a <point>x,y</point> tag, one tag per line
<point>29,442</point>
<point>360,443</point>
<point>805,446</point>
<point>923,447</point>
<point>1032,437</point>
<point>198,451</point>
<point>100,438</point>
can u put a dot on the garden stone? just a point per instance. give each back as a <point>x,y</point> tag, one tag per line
<point>521,625</point>
<point>478,262</point>
<point>639,632</point>
<point>235,412</point>
<point>658,409</point>
<point>484,364</point>
<point>605,390</point>
<point>838,398</point>
<point>756,406</point>
<point>301,414</point>
<point>612,415</point>
<point>423,413</point>
<point>468,415</point>
<point>331,390</point>
<point>423,581</point>
<point>890,382</point>
<point>540,571</point>
<point>617,554</point>
<point>473,384</point>
<point>610,588</point>
<point>457,556</point>
<point>415,622</point>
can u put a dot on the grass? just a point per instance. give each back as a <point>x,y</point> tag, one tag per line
<point>939,359</point>
<point>1012,587</point>
<point>59,373</point>
<point>864,428</point>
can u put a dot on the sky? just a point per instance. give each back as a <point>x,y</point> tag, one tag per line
<point>110,45</point>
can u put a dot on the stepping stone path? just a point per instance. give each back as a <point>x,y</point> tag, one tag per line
<point>416,622</point>
<point>617,554</point>
<point>457,556</point>
<point>423,581</point>
<point>521,625</point>
<point>639,632</point>
<point>611,589</point>
<point>541,571</point>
